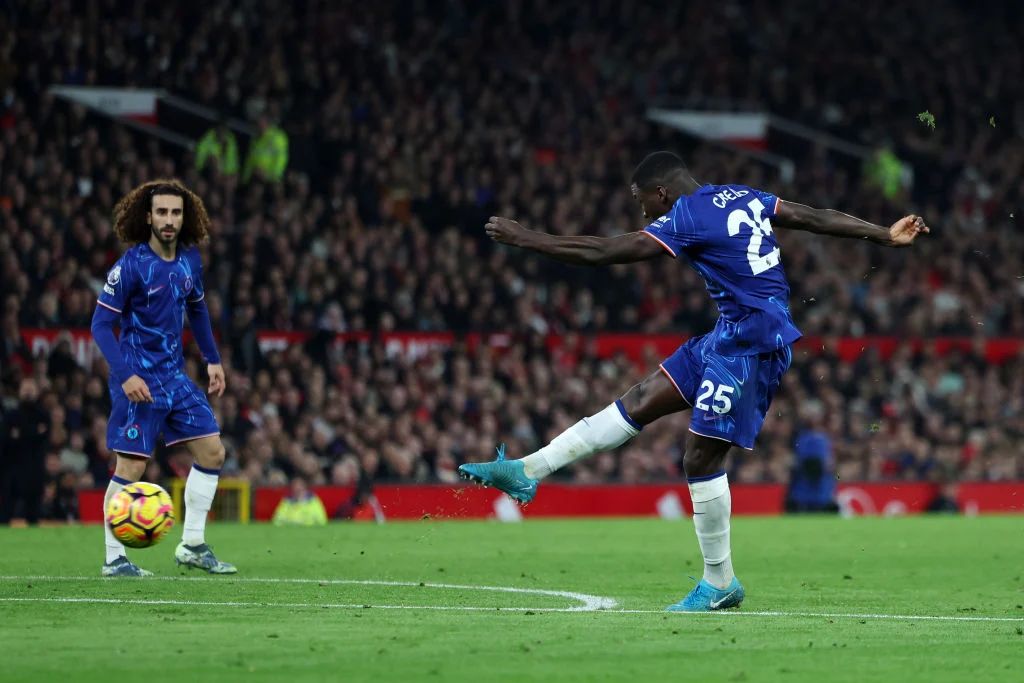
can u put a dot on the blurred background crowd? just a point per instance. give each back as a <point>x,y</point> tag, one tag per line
<point>385,135</point>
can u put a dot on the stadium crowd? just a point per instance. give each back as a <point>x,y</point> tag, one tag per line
<point>407,129</point>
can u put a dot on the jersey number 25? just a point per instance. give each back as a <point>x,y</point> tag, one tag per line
<point>760,228</point>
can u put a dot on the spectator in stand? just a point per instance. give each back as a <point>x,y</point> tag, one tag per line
<point>945,499</point>
<point>218,148</point>
<point>887,173</point>
<point>268,154</point>
<point>812,483</point>
<point>301,507</point>
<point>26,431</point>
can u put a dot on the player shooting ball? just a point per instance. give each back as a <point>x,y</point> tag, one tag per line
<point>727,377</point>
<point>146,294</point>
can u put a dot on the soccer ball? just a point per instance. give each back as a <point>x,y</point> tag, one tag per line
<point>140,514</point>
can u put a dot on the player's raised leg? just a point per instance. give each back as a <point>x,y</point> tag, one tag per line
<point>129,469</point>
<point>200,489</point>
<point>644,403</point>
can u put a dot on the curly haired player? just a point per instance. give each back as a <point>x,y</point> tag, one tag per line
<point>146,294</point>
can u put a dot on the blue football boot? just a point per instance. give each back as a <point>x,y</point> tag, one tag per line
<point>122,566</point>
<point>706,598</point>
<point>507,476</point>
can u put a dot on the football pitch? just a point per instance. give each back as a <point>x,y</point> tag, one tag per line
<point>828,599</point>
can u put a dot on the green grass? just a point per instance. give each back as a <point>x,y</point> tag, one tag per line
<point>948,566</point>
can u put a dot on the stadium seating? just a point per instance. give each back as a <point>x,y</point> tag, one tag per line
<point>377,227</point>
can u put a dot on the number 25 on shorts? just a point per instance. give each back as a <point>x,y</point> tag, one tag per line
<point>721,402</point>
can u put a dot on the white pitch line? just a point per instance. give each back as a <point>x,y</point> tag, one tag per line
<point>829,615</point>
<point>468,608</point>
<point>592,603</point>
<point>293,605</point>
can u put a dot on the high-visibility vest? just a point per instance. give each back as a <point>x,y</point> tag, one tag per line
<point>223,149</point>
<point>269,154</point>
<point>308,511</point>
<point>885,171</point>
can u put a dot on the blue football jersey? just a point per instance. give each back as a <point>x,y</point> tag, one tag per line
<point>726,233</point>
<point>150,294</point>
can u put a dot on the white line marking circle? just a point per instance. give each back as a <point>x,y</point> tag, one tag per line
<point>589,603</point>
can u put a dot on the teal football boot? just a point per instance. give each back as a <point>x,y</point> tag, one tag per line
<point>507,476</point>
<point>706,598</point>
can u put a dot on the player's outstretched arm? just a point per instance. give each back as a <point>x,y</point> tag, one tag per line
<point>838,224</point>
<point>583,250</point>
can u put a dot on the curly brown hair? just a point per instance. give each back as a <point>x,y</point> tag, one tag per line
<point>130,213</point>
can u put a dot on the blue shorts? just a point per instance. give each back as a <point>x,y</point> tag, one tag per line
<point>730,395</point>
<point>179,411</point>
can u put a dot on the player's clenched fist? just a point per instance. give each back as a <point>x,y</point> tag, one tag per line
<point>905,230</point>
<point>504,230</point>
<point>136,390</point>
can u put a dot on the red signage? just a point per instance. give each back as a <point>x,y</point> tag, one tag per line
<point>669,501</point>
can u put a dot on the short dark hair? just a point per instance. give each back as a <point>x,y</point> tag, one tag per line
<point>659,168</point>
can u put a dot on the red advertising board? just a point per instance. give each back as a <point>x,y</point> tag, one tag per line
<point>443,501</point>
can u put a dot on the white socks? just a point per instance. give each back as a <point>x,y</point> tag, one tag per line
<point>200,488</point>
<point>114,547</point>
<point>604,431</point>
<point>712,506</point>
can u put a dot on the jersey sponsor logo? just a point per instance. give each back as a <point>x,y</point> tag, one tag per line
<point>114,276</point>
<point>663,220</point>
<point>109,290</point>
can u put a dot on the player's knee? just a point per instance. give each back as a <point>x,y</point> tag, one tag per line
<point>633,400</point>
<point>638,403</point>
<point>695,462</point>
<point>702,458</point>
<point>214,457</point>
<point>130,468</point>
